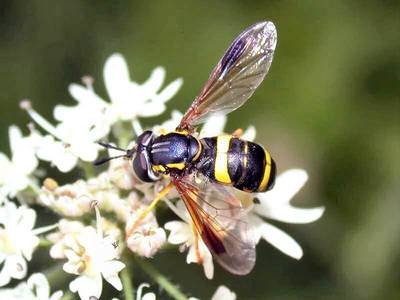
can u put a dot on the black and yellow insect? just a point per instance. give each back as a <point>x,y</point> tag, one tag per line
<point>206,171</point>
<point>224,159</point>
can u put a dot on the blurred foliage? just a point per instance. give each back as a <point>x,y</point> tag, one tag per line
<point>330,105</point>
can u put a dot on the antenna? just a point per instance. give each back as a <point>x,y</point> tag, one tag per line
<point>109,146</point>
<point>102,160</point>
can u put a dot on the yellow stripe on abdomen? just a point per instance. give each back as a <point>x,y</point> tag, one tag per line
<point>221,172</point>
<point>267,172</point>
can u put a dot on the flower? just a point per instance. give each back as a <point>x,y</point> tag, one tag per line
<point>73,138</point>
<point>73,200</point>
<point>147,296</point>
<point>184,233</point>
<point>120,172</point>
<point>223,293</point>
<point>36,288</point>
<point>130,99</point>
<point>148,238</point>
<point>70,200</point>
<point>275,205</point>
<point>66,230</point>
<point>18,240</point>
<point>15,174</point>
<point>91,257</point>
<point>82,125</point>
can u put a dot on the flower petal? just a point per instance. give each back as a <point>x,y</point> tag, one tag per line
<point>170,90</point>
<point>39,284</point>
<point>57,295</point>
<point>280,240</point>
<point>155,81</point>
<point>249,134</point>
<point>116,78</point>
<point>27,218</point>
<point>87,286</point>
<point>213,126</point>
<point>180,232</point>
<point>289,214</point>
<point>223,293</point>
<point>286,186</point>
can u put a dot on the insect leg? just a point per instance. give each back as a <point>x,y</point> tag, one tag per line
<point>153,204</point>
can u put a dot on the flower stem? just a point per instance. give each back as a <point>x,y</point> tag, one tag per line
<point>45,243</point>
<point>127,283</point>
<point>169,287</point>
<point>124,134</point>
<point>55,275</point>
<point>87,168</point>
<point>68,296</point>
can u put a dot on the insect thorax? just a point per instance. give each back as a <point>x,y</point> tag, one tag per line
<point>174,151</point>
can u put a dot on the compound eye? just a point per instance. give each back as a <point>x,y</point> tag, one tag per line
<point>140,167</point>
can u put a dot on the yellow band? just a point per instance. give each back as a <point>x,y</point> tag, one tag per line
<point>221,173</point>
<point>196,157</point>
<point>267,172</point>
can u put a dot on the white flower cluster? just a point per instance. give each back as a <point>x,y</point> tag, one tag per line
<point>90,250</point>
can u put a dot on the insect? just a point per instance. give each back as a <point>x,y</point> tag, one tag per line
<point>207,171</point>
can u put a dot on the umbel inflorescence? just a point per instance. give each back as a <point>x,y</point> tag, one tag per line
<point>90,237</point>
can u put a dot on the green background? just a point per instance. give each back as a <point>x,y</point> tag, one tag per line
<point>330,105</point>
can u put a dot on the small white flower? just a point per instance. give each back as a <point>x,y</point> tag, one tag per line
<point>147,296</point>
<point>183,233</point>
<point>15,174</point>
<point>36,288</point>
<point>275,205</point>
<point>60,238</point>
<point>130,99</point>
<point>148,238</point>
<point>92,257</point>
<point>18,240</point>
<point>120,172</point>
<point>71,139</point>
<point>223,293</point>
<point>75,199</point>
<point>72,200</point>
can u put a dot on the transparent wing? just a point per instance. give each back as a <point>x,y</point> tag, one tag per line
<point>220,220</point>
<point>236,76</point>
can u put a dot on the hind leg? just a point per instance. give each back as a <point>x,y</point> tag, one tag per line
<point>152,205</point>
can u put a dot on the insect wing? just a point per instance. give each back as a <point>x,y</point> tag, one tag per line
<point>220,220</point>
<point>236,76</point>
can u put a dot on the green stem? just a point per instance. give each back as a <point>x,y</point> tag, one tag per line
<point>68,295</point>
<point>87,168</point>
<point>169,287</point>
<point>127,284</point>
<point>123,132</point>
<point>45,243</point>
<point>55,274</point>
<point>35,188</point>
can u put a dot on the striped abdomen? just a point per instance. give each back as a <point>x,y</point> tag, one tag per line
<point>245,165</point>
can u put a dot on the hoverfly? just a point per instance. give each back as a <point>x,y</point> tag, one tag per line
<point>206,171</point>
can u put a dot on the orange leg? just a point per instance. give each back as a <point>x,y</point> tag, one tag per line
<point>237,133</point>
<point>152,205</point>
